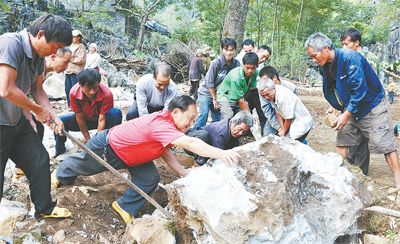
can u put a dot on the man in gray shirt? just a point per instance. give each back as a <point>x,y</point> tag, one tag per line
<point>207,93</point>
<point>21,68</point>
<point>153,92</point>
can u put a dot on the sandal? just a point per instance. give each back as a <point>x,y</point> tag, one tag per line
<point>126,217</point>
<point>58,213</point>
<point>18,173</point>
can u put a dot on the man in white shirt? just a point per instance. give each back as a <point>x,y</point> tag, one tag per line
<point>294,118</point>
<point>153,92</point>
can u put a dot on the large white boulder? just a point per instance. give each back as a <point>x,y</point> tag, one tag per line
<point>54,86</point>
<point>10,213</point>
<point>281,191</point>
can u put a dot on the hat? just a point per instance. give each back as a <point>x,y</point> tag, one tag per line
<point>76,33</point>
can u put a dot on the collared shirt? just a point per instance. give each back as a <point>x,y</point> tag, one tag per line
<point>148,95</point>
<point>351,81</point>
<point>143,139</point>
<point>220,134</point>
<point>78,59</point>
<point>91,108</point>
<point>289,106</point>
<point>235,86</point>
<point>215,74</point>
<point>16,51</point>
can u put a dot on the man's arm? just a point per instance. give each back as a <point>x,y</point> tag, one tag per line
<point>171,160</point>
<point>356,82</point>
<point>286,127</point>
<point>269,113</point>
<point>80,119</point>
<point>214,97</point>
<point>141,99</point>
<point>101,124</point>
<point>79,56</point>
<point>210,78</point>
<point>201,148</point>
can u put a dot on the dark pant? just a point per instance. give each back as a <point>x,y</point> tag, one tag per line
<point>359,155</point>
<point>70,81</point>
<point>114,117</point>
<point>194,86</point>
<point>133,111</point>
<point>22,145</point>
<point>202,135</point>
<point>39,128</point>
<point>254,102</point>
<point>145,176</point>
<point>391,97</point>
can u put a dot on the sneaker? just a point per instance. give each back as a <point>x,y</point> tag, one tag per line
<point>54,180</point>
<point>126,217</point>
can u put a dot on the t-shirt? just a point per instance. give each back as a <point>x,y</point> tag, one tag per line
<point>148,95</point>
<point>91,108</point>
<point>289,106</point>
<point>143,139</point>
<point>16,51</point>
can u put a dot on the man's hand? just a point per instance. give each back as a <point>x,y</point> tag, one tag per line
<point>215,103</point>
<point>244,105</point>
<point>28,116</point>
<point>44,115</point>
<point>281,132</point>
<point>342,120</point>
<point>230,157</point>
<point>57,125</point>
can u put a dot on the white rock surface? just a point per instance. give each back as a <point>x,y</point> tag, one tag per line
<point>59,236</point>
<point>282,191</point>
<point>54,86</point>
<point>10,213</point>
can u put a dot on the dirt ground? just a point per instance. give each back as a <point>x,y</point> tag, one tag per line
<point>93,220</point>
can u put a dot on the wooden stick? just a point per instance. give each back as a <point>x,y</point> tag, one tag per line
<point>116,173</point>
<point>385,211</point>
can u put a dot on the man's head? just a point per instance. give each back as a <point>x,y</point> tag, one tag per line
<point>320,48</point>
<point>89,80</point>
<point>248,46</point>
<point>271,73</point>
<point>162,76</point>
<point>59,61</point>
<point>228,46</point>
<point>263,53</point>
<point>183,111</point>
<point>241,123</point>
<point>266,88</point>
<point>49,33</point>
<point>76,36</point>
<point>250,63</point>
<point>351,39</point>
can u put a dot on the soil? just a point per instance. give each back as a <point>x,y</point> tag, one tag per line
<point>93,221</point>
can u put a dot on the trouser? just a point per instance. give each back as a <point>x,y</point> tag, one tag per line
<point>391,97</point>
<point>253,100</point>
<point>359,155</point>
<point>202,135</point>
<point>114,117</point>
<point>22,145</point>
<point>39,128</point>
<point>70,81</point>
<point>133,111</point>
<point>194,86</point>
<point>206,106</point>
<point>145,176</point>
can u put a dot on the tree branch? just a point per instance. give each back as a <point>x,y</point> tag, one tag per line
<point>133,13</point>
<point>385,211</point>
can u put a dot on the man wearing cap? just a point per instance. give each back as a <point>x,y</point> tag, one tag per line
<point>77,63</point>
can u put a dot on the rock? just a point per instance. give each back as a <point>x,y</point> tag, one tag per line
<point>54,86</point>
<point>59,236</point>
<point>10,213</point>
<point>150,229</point>
<point>374,239</point>
<point>281,191</point>
<point>118,79</point>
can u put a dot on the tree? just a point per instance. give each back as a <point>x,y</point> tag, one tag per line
<point>235,20</point>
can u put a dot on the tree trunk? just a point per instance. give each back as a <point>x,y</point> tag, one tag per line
<point>235,20</point>
<point>142,30</point>
<point>274,27</point>
<point>295,39</point>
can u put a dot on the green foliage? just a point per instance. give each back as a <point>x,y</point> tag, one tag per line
<point>5,6</point>
<point>390,234</point>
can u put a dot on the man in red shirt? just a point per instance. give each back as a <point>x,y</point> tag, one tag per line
<point>134,144</point>
<point>92,106</point>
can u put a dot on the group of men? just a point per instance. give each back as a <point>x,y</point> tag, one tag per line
<point>160,118</point>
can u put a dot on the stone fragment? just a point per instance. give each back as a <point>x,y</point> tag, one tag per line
<point>59,236</point>
<point>10,213</point>
<point>374,239</point>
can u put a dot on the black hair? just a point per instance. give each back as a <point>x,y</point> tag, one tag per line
<point>353,33</point>
<point>55,28</point>
<point>270,72</point>
<point>248,42</point>
<point>228,42</point>
<point>265,47</point>
<point>89,77</point>
<point>250,58</point>
<point>162,69</point>
<point>182,102</point>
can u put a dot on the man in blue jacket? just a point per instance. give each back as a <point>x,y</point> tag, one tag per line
<point>352,86</point>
